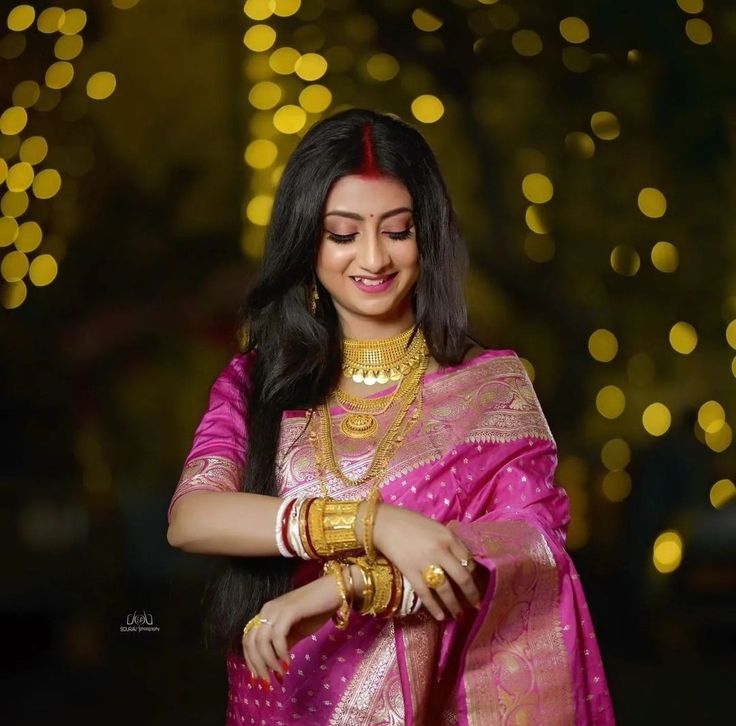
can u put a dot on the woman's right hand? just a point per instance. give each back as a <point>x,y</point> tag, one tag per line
<point>412,541</point>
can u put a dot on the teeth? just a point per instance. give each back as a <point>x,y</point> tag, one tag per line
<point>371,282</point>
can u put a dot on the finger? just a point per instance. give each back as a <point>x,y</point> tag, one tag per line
<point>459,550</point>
<point>462,578</point>
<point>251,672</point>
<point>426,596</point>
<point>254,653</point>
<point>281,647</point>
<point>448,597</point>
<point>265,648</point>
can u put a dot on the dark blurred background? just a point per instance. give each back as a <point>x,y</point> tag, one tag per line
<point>588,147</point>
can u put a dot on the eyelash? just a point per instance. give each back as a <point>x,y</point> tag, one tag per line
<point>345,238</point>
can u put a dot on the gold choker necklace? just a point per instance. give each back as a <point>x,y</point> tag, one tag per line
<point>384,359</point>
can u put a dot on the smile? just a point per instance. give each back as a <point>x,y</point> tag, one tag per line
<point>374,284</point>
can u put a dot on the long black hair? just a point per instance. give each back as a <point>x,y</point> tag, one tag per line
<point>298,356</point>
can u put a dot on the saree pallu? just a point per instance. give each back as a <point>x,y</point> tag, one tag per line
<point>481,460</point>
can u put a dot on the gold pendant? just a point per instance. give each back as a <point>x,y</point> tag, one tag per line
<point>359,425</point>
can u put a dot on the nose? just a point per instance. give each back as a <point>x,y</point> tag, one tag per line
<point>373,255</point>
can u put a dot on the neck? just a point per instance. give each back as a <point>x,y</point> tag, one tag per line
<point>375,327</point>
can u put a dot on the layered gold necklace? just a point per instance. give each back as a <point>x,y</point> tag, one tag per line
<point>406,393</point>
<point>378,361</point>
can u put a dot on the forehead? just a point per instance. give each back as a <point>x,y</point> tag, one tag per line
<point>367,196</point>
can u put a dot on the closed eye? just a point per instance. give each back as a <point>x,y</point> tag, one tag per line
<point>345,238</point>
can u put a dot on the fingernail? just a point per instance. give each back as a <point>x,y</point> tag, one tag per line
<point>285,665</point>
<point>279,677</point>
<point>441,616</point>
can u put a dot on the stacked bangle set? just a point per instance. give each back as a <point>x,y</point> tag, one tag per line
<point>315,528</point>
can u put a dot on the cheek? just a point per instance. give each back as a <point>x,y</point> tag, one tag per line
<point>332,258</point>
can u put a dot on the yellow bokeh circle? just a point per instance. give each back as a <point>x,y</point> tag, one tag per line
<point>603,345</point>
<point>21,18</point>
<point>101,85</point>
<point>14,294</point>
<point>652,203</point>
<point>605,125</point>
<point>722,492</point>
<point>610,401</point>
<point>665,256</point>
<point>261,153</point>
<point>259,38</point>
<point>29,236</point>
<point>258,210</point>
<point>315,98</point>
<point>656,419</point>
<point>574,30</point>
<point>683,337</point>
<point>290,119</point>
<point>46,184</point>
<point>667,551</point>
<point>537,188</point>
<point>13,120</point>
<point>427,108</point>
<point>14,266</point>
<point>59,75</point>
<point>43,270</point>
<point>264,95</point>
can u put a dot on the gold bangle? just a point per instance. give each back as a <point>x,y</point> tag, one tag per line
<point>370,514</point>
<point>380,574</point>
<point>315,532</point>
<point>341,616</point>
<point>338,525</point>
<point>397,590</point>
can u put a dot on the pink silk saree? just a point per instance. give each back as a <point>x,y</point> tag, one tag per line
<point>481,460</point>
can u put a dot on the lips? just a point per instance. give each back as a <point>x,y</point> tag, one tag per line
<point>370,281</point>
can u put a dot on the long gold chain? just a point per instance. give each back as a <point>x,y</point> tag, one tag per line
<point>392,439</point>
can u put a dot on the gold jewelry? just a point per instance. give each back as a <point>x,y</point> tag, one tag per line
<point>434,576</point>
<point>384,359</point>
<point>338,528</point>
<point>255,622</point>
<point>313,298</point>
<point>370,514</point>
<point>341,616</point>
<point>393,438</point>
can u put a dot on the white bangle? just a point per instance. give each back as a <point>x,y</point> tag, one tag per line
<point>278,528</point>
<point>295,538</point>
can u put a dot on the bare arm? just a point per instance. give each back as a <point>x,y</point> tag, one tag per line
<point>224,523</point>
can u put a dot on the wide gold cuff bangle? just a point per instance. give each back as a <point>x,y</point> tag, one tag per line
<point>338,527</point>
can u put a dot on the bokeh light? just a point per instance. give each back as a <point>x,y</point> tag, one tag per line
<point>656,419</point>
<point>667,551</point>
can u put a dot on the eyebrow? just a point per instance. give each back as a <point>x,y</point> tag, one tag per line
<point>354,215</point>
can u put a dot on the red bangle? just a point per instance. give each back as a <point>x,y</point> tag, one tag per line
<point>285,527</point>
<point>310,546</point>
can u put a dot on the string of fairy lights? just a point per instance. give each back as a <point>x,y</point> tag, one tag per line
<point>293,75</point>
<point>31,255</point>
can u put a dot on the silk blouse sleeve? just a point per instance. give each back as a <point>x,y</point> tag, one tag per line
<point>217,455</point>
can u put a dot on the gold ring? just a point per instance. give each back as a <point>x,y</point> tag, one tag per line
<point>434,576</point>
<point>254,622</point>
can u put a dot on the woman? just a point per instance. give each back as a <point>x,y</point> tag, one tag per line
<point>359,393</point>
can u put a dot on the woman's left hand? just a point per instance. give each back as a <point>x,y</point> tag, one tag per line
<point>308,606</point>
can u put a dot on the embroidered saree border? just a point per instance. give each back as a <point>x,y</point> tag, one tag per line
<point>207,472</point>
<point>521,635</point>
<point>489,402</point>
<point>373,695</point>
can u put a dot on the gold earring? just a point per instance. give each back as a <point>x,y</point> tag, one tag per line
<point>313,297</point>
